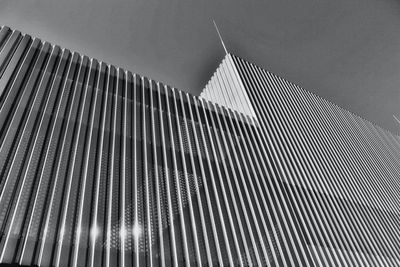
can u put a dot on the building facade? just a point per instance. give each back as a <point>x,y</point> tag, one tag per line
<point>103,167</point>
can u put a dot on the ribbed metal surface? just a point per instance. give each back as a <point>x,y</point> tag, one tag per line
<point>102,167</point>
<point>340,172</point>
<point>226,88</point>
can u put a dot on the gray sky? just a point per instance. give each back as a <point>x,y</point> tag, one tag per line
<point>347,51</point>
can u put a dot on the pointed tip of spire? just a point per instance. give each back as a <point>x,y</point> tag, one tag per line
<point>220,37</point>
<point>396,118</point>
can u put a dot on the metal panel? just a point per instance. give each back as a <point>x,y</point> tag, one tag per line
<point>102,167</point>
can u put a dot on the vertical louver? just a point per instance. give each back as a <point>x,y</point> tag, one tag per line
<point>339,172</point>
<point>103,167</point>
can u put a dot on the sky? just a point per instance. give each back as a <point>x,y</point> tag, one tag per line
<point>346,51</point>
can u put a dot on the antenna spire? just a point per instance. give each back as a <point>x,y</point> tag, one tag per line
<point>396,119</point>
<point>220,37</point>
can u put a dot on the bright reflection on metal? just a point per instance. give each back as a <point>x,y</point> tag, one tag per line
<point>79,231</point>
<point>62,231</point>
<point>136,230</point>
<point>94,232</point>
<point>123,232</point>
